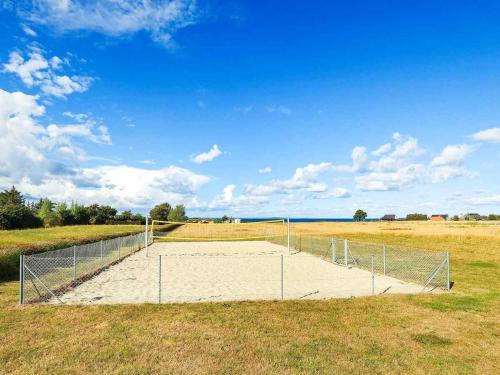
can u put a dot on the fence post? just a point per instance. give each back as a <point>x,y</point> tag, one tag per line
<point>159,278</point>
<point>21,279</point>
<point>334,250</point>
<point>373,275</point>
<point>119,246</point>
<point>74,263</point>
<point>448,286</point>
<point>282,276</point>
<point>346,251</point>
<point>288,233</point>
<point>384,250</point>
<point>101,248</point>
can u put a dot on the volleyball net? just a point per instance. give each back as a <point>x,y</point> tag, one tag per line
<point>275,230</point>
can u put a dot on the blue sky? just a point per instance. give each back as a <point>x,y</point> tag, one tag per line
<point>253,108</point>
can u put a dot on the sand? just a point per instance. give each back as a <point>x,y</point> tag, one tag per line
<point>227,271</point>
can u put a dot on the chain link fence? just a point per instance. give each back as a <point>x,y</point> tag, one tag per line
<point>47,275</point>
<point>430,269</point>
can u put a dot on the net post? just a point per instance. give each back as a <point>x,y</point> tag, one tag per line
<point>288,234</point>
<point>101,248</point>
<point>74,262</point>
<point>373,275</point>
<point>384,258</point>
<point>119,246</point>
<point>159,278</point>
<point>21,279</point>
<point>282,272</point>
<point>448,286</point>
<point>146,236</point>
<point>346,250</point>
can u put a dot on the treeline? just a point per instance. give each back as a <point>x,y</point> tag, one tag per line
<point>16,213</point>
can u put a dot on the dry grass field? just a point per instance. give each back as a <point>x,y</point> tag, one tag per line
<point>455,333</point>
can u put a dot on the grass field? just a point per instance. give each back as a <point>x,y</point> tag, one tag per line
<point>456,333</point>
<point>27,241</point>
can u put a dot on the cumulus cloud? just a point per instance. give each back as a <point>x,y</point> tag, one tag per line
<point>210,155</point>
<point>396,165</point>
<point>44,161</point>
<point>36,70</point>
<point>160,18</point>
<point>452,155</point>
<point>488,135</point>
<point>229,200</point>
<point>303,180</point>
<point>265,170</point>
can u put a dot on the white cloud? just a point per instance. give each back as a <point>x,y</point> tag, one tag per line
<point>148,162</point>
<point>303,180</point>
<point>161,19</point>
<point>207,156</point>
<point>36,70</point>
<point>488,135</point>
<point>333,193</point>
<point>229,200</point>
<point>452,155</point>
<point>488,200</point>
<point>279,109</point>
<point>43,161</point>
<point>397,165</point>
<point>29,31</point>
<point>340,193</point>
<point>382,149</point>
<point>265,170</point>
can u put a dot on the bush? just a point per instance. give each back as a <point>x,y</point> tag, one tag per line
<point>416,217</point>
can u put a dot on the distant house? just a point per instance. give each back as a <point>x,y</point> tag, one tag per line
<point>388,218</point>
<point>439,217</point>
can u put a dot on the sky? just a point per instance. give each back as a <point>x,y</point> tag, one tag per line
<point>253,108</point>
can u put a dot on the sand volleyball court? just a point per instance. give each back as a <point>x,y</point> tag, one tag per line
<point>227,271</point>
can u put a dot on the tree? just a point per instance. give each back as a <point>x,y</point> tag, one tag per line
<point>178,214</point>
<point>63,215</point>
<point>46,213</point>
<point>12,197</point>
<point>14,213</point>
<point>416,217</point>
<point>360,215</point>
<point>160,211</point>
<point>80,214</point>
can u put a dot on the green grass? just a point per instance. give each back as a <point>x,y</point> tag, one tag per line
<point>27,241</point>
<point>456,333</point>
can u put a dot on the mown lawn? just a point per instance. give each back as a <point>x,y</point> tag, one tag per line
<point>456,333</point>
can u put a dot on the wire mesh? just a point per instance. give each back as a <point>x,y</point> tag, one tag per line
<point>423,267</point>
<point>49,274</point>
